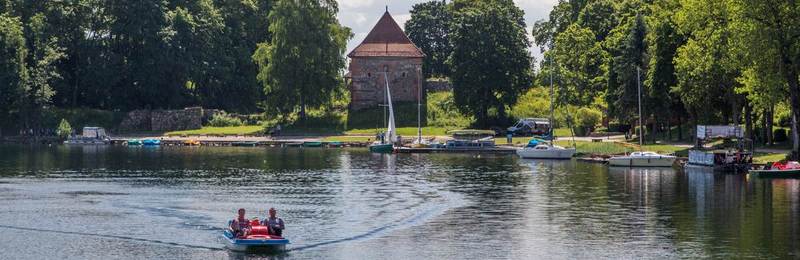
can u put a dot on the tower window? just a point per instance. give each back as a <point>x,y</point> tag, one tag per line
<point>369,75</point>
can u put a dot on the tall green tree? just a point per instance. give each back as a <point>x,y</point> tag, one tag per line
<point>137,44</point>
<point>705,66</point>
<point>301,67</point>
<point>581,66</point>
<point>429,29</point>
<point>663,41</point>
<point>770,31</point>
<point>490,61</point>
<point>42,72</point>
<point>13,71</point>
<point>623,78</point>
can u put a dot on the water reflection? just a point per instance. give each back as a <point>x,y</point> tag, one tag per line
<point>343,203</point>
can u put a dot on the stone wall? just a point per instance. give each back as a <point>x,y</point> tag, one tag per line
<point>368,87</point>
<point>163,120</point>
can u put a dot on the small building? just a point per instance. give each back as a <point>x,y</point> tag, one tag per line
<point>386,51</point>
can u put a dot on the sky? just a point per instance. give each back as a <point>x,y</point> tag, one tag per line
<point>361,15</point>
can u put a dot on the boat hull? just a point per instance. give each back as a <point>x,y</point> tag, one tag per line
<point>265,244</point>
<point>546,154</point>
<point>642,162</point>
<point>381,148</point>
<point>794,173</point>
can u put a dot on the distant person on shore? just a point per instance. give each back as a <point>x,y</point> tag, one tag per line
<point>509,137</point>
<point>274,223</point>
<point>241,225</point>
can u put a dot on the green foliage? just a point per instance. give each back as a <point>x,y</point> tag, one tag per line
<point>429,28</point>
<point>579,66</point>
<point>442,111</point>
<point>588,118</point>
<point>64,129</point>
<point>13,72</point>
<point>534,103</point>
<point>300,67</point>
<point>628,70</point>
<point>482,85</point>
<point>80,118</point>
<point>224,120</point>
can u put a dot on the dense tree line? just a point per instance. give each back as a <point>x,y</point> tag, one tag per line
<point>168,54</point>
<point>124,55</point>
<point>698,61</point>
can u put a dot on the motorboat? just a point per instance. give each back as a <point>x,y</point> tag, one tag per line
<point>778,170</point>
<point>151,142</point>
<point>134,142</point>
<point>257,240</point>
<point>378,147</point>
<point>642,159</point>
<point>544,151</point>
<point>90,136</point>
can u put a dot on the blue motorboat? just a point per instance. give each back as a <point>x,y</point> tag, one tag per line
<point>151,142</point>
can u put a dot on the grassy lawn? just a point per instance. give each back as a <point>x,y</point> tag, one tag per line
<point>768,157</point>
<point>233,130</point>
<point>404,131</point>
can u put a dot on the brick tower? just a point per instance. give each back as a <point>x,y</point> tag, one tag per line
<point>385,50</point>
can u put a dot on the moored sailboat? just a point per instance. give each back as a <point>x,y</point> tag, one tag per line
<point>386,144</point>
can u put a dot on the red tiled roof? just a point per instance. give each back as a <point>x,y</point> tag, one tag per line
<point>387,39</point>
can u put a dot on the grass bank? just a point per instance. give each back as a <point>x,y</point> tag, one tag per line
<point>225,131</point>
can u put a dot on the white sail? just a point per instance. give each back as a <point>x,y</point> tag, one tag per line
<point>391,131</point>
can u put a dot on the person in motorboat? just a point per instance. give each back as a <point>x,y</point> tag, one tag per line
<point>241,225</point>
<point>274,223</point>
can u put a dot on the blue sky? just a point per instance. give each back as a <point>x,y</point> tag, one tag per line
<point>361,15</point>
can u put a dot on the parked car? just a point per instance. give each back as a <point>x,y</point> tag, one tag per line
<point>531,126</point>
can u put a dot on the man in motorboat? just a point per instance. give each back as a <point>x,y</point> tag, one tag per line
<point>241,225</point>
<point>274,223</point>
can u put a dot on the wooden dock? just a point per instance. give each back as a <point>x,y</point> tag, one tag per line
<point>496,150</point>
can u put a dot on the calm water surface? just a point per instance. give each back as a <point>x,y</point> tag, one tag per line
<point>120,202</point>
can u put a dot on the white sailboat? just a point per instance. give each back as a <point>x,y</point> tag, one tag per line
<point>641,158</point>
<point>547,151</point>
<point>387,145</point>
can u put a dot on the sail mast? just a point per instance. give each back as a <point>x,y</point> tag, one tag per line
<point>552,104</point>
<point>641,127</point>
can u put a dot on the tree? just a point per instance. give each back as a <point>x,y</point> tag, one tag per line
<point>623,80</point>
<point>663,41</point>
<point>429,29</point>
<point>769,29</point>
<point>301,66</point>
<point>580,66</point>
<point>705,66</point>
<point>13,71</point>
<point>41,63</point>
<point>490,60</point>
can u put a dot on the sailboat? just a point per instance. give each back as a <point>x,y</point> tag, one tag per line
<point>549,150</point>
<point>387,144</point>
<point>641,158</point>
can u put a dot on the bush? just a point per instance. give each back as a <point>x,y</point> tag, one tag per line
<point>780,135</point>
<point>587,120</point>
<point>64,129</point>
<point>224,120</point>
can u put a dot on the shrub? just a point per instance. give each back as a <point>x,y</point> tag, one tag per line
<point>587,119</point>
<point>224,120</point>
<point>780,135</point>
<point>64,129</point>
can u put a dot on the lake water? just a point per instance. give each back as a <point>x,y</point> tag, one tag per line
<point>172,202</point>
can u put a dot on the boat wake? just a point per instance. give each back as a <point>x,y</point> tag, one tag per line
<point>423,215</point>
<point>112,237</point>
